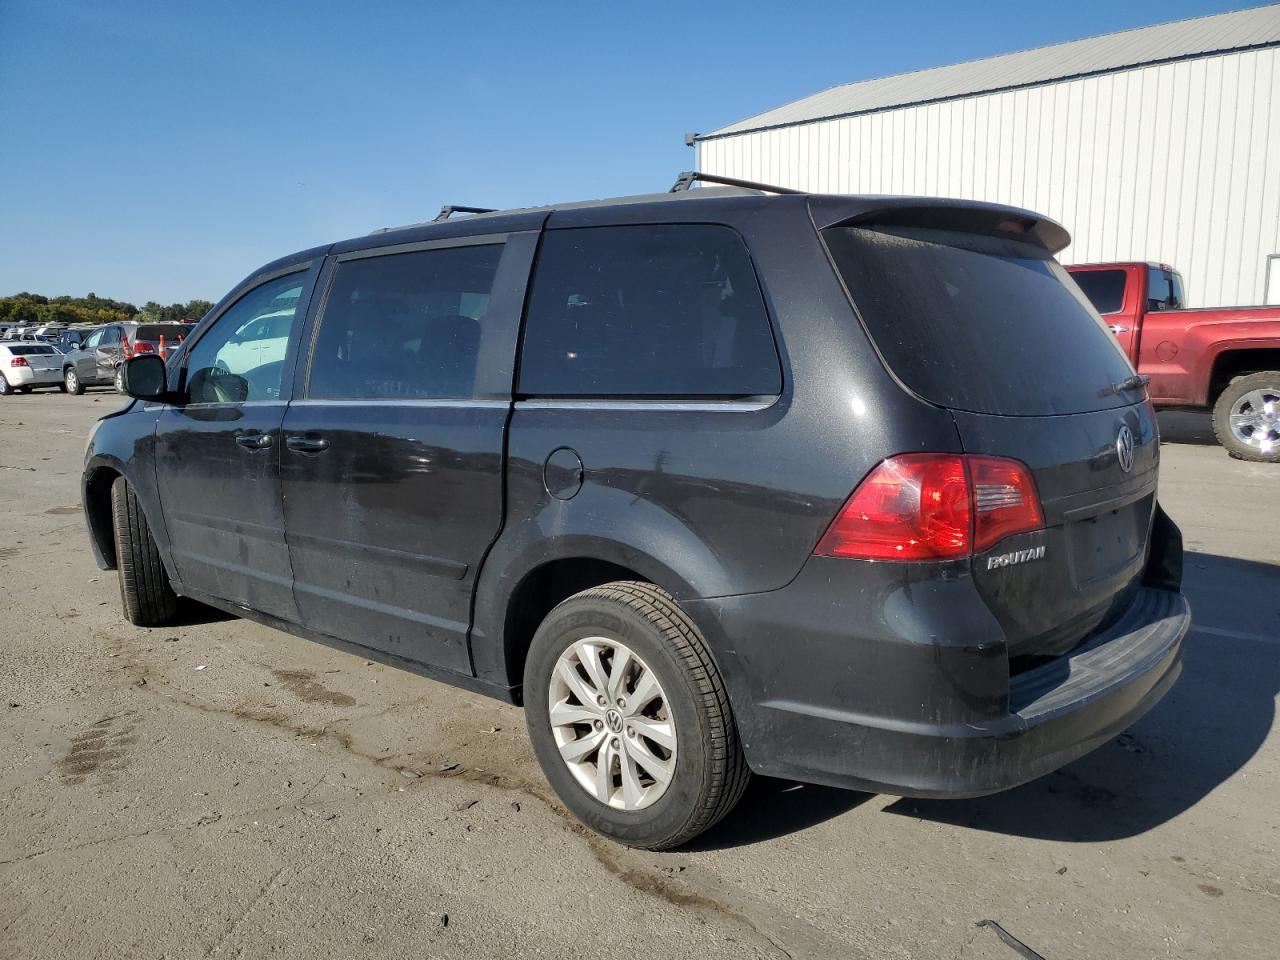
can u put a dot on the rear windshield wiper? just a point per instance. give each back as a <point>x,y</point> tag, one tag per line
<point>1131,383</point>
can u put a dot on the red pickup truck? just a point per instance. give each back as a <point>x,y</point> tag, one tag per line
<point>1226,358</point>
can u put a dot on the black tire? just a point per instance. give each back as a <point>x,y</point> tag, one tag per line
<point>710,772</point>
<point>145,594</point>
<point>118,383</point>
<point>71,382</point>
<point>24,389</point>
<point>1267,381</point>
<point>6,389</point>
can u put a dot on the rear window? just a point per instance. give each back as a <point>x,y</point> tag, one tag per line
<point>979,323</point>
<point>172,332</point>
<point>30,351</point>
<point>659,311</point>
<point>1104,288</point>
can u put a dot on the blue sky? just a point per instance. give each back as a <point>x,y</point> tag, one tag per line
<point>161,151</point>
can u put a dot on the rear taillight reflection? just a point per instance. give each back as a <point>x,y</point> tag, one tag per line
<point>933,506</point>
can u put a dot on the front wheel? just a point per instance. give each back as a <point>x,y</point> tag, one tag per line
<point>6,388</point>
<point>1246,418</point>
<point>71,382</point>
<point>145,593</point>
<point>630,719</point>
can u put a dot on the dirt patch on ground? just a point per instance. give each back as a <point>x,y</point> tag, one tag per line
<point>304,685</point>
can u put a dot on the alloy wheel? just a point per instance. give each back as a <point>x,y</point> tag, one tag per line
<point>612,723</point>
<point>1255,420</point>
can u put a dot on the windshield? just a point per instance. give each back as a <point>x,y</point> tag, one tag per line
<point>979,323</point>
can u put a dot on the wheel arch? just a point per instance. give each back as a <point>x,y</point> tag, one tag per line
<point>1237,362</point>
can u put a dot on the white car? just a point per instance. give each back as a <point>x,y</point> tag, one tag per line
<point>24,365</point>
<point>262,340</point>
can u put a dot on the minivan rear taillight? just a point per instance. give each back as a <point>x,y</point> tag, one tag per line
<point>933,506</point>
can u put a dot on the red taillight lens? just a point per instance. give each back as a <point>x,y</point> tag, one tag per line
<point>933,506</point>
<point>19,362</point>
<point>143,347</point>
<point>1004,500</point>
<point>910,507</point>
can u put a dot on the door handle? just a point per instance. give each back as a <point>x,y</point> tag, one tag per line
<point>307,444</point>
<point>1117,328</point>
<point>254,441</point>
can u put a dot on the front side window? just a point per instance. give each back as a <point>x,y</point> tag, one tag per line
<point>670,310</point>
<point>95,340</point>
<point>1104,288</point>
<point>238,359</point>
<point>405,325</point>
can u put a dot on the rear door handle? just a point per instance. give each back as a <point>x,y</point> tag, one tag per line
<point>1116,328</point>
<point>254,441</point>
<point>307,444</point>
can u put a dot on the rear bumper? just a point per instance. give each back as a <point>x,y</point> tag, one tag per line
<point>935,726</point>
<point>26,377</point>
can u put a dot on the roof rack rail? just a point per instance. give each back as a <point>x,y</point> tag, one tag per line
<point>689,177</point>
<point>448,211</point>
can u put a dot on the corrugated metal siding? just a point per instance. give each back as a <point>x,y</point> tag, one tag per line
<point>1113,51</point>
<point>1178,163</point>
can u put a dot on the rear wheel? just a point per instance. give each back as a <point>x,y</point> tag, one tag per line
<point>1246,418</point>
<point>630,719</point>
<point>120,379</point>
<point>145,593</point>
<point>71,382</point>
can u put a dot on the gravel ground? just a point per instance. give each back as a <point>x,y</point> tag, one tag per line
<point>222,789</point>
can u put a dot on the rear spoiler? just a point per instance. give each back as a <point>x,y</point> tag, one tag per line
<point>969,216</point>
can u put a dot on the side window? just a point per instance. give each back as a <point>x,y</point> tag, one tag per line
<point>1164,289</point>
<point>238,359</point>
<point>1104,288</point>
<point>658,311</point>
<point>404,325</point>
<point>111,336</point>
<point>95,340</point>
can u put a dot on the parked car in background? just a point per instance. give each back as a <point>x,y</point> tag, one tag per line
<point>98,359</point>
<point>24,366</point>
<point>671,491</point>
<point>1224,359</point>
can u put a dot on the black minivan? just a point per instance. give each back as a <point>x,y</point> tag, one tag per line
<point>850,490</point>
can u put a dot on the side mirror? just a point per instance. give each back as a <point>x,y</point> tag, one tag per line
<point>144,378</point>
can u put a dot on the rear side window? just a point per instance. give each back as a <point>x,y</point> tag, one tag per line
<point>1104,288</point>
<point>979,323</point>
<point>404,326</point>
<point>1164,289</point>
<point>653,311</point>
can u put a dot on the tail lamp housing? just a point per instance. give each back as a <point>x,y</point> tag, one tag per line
<point>934,506</point>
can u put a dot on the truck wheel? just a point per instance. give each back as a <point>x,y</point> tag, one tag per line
<point>630,719</point>
<point>72,382</point>
<point>1246,418</point>
<point>145,593</point>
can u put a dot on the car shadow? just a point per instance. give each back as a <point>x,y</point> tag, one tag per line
<point>772,808</point>
<point>1186,426</point>
<point>192,613</point>
<point>1212,722</point>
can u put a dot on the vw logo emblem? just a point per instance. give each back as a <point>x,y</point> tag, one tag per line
<point>1124,449</point>
<point>614,719</point>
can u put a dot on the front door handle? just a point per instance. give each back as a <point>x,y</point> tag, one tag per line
<point>1117,328</point>
<point>254,441</point>
<point>307,444</point>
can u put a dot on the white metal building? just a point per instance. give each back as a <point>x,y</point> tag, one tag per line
<point>1160,144</point>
